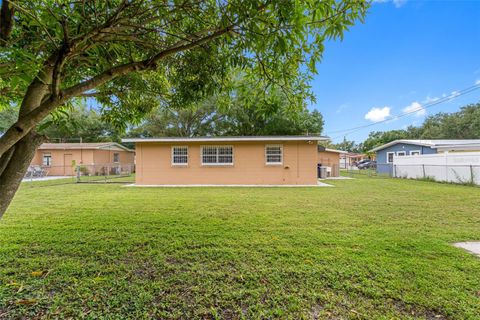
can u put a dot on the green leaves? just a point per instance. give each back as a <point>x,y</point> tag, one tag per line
<point>276,43</point>
<point>79,122</point>
<point>244,107</point>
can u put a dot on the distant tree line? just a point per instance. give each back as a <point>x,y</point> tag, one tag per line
<point>71,125</point>
<point>464,124</point>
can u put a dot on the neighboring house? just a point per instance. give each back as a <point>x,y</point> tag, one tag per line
<point>398,148</point>
<point>348,160</point>
<point>255,160</point>
<point>60,159</point>
<point>330,158</point>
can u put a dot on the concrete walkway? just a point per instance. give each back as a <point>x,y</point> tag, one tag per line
<point>470,246</point>
<point>46,178</point>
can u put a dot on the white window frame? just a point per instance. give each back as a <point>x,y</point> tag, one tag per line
<point>417,151</point>
<point>43,159</point>
<point>388,153</point>
<point>281,155</point>
<point>182,164</point>
<point>116,153</point>
<point>217,164</point>
<point>401,153</point>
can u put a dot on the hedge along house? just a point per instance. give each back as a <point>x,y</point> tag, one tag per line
<point>60,159</point>
<point>254,160</point>
<point>399,148</point>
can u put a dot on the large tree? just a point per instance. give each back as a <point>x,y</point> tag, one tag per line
<point>7,118</point>
<point>346,145</point>
<point>79,123</point>
<point>377,138</point>
<point>240,109</point>
<point>53,51</point>
<point>206,120</point>
<point>464,124</point>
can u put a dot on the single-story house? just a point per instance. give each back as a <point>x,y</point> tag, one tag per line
<point>399,148</point>
<point>349,159</point>
<point>330,158</point>
<point>60,159</point>
<point>245,160</point>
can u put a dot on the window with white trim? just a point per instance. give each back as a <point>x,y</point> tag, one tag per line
<point>390,157</point>
<point>217,155</point>
<point>47,159</point>
<point>180,155</point>
<point>415,152</point>
<point>401,153</point>
<point>273,154</point>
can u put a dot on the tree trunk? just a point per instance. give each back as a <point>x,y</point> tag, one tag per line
<point>15,161</point>
<point>15,166</point>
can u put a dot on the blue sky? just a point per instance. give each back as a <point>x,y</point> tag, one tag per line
<point>406,54</point>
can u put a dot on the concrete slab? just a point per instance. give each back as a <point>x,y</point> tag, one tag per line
<point>338,178</point>
<point>319,184</point>
<point>470,246</point>
<point>46,178</point>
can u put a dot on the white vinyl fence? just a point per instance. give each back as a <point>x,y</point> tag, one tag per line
<point>451,167</point>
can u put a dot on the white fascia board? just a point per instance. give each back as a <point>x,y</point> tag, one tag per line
<point>228,139</point>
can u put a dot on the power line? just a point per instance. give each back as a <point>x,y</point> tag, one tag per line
<point>450,97</point>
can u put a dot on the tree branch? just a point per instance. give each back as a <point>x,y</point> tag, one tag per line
<point>34,17</point>
<point>65,50</point>
<point>138,66</point>
<point>30,119</point>
<point>6,21</point>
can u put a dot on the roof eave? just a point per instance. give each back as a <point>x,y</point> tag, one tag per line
<point>103,147</point>
<point>459,147</point>
<point>386,145</point>
<point>117,145</point>
<point>229,139</point>
<point>336,151</point>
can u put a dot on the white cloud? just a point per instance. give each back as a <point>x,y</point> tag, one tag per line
<point>397,3</point>
<point>429,99</point>
<point>378,114</point>
<point>342,107</point>
<point>477,82</point>
<point>415,107</point>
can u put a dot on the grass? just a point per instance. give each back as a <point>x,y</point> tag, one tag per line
<point>366,249</point>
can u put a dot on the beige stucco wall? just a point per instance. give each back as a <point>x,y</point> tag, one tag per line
<point>330,159</point>
<point>106,157</point>
<point>153,165</point>
<point>87,157</point>
<point>59,167</point>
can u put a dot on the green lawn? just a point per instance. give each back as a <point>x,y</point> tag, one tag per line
<point>367,249</point>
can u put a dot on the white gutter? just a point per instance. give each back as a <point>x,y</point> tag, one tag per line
<point>418,142</point>
<point>459,147</point>
<point>336,151</point>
